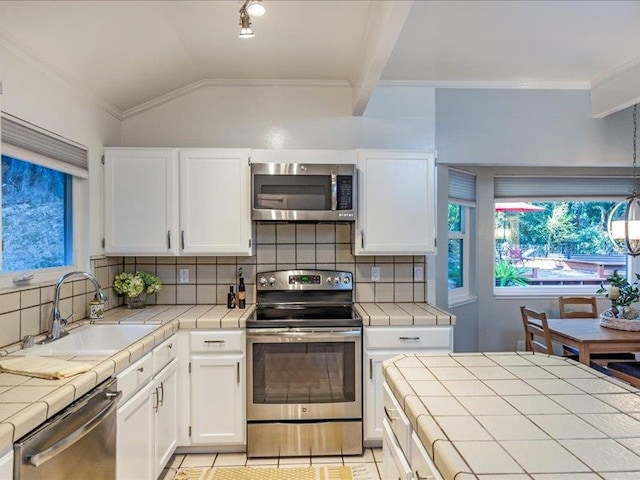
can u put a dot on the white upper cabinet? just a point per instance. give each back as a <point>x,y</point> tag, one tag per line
<point>177,201</point>
<point>139,201</point>
<point>215,213</point>
<point>396,203</point>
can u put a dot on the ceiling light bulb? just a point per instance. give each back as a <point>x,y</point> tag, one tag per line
<point>245,24</point>
<point>256,9</point>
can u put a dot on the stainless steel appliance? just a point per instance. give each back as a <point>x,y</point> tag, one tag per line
<point>304,366</point>
<point>79,442</point>
<point>307,192</point>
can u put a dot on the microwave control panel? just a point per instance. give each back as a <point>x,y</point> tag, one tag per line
<point>345,192</point>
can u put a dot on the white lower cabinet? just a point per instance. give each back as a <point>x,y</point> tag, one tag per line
<point>218,401</point>
<point>421,464</point>
<point>165,418</point>
<point>147,419</point>
<point>134,454</point>
<point>394,463</point>
<point>382,343</point>
<point>6,466</point>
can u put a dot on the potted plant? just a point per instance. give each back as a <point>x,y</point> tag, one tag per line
<point>136,286</point>
<point>622,293</point>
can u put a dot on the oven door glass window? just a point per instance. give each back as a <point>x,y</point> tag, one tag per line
<point>296,373</point>
<point>292,192</point>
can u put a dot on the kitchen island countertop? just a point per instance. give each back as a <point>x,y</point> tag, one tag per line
<point>518,416</point>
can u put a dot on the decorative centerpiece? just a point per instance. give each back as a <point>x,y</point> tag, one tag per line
<point>136,286</point>
<point>622,294</point>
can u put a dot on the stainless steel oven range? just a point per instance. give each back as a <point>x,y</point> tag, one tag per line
<point>304,366</point>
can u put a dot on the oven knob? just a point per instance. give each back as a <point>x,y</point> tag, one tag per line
<point>328,279</point>
<point>263,281</point>
<point>272,281</point>
<point>336,280</point>
<point>345,280</point>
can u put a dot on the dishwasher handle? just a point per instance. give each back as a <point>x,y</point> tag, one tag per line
<point>47,454</point>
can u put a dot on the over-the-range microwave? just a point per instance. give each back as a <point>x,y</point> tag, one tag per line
<point>303,192</point>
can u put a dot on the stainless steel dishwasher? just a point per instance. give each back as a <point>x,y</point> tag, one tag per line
<point>79,442</point>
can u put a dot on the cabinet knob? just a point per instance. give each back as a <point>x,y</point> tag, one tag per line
<point>170,346</point>
<point>141,369</point>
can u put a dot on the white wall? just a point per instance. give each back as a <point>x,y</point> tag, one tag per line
<point>33,94</point>
<point>284,117</point>
<point>516,132</point>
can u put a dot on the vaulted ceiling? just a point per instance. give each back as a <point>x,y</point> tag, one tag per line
<point>130,52</point>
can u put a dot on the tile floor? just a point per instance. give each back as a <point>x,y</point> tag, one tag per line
<point>372,459</point>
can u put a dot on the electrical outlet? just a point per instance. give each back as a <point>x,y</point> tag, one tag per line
<point>375,274</point>
<point>184,275</point>
<point>418,273</point>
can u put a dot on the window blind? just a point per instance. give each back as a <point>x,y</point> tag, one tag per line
<point>462,187</point>
<point>33,140</point>
<point>523,187</point>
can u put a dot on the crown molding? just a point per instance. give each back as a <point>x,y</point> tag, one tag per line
<point>50,69</point>
<point>488,84</point>
<point>168,97</point>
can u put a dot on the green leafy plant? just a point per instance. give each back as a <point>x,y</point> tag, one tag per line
<point>628,293</point>
<point>133,284</point>
<point>509,275</point>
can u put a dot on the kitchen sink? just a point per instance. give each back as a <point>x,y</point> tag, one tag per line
<point>93,340</point>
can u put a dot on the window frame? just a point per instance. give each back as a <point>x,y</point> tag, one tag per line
<point>77,224</point>
<point>542,291</point>
<point>461,294</point>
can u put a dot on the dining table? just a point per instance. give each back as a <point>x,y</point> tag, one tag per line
<point>588,336</point>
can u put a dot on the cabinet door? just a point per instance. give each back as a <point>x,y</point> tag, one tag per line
<point>134,448</point>
<point>373,394</point>
<point>166,415</point>
<point>394,464</point>
<point>139,202</point>
<point>215,214</point>
<point>6,466</point>
<point>396,203</point>
<point>421,463</point>
<point>217,399</point>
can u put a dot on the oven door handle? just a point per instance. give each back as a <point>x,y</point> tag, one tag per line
<point>285,332</point>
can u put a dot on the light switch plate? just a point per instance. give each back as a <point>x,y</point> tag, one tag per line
<point>418,273</point>
<point>184,275</point>
<point>375,274</point>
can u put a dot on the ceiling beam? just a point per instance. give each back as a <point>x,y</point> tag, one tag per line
<point>616,90</point>
<point>383,28</point>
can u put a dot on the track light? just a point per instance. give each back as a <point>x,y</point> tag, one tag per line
<point>255,8</point>
<point>245,25</point>
<point>250,8</point>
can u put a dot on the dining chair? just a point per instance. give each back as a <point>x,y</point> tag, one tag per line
<point>627,371</point>
<point>586,307</point>
<point>536,336</point>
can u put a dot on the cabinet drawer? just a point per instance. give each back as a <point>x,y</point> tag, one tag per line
<point>216,341</point>
<point>164,353</point>
<point>398,421</point>
<point>421,463</point>
<point>409,338</point>
<point>134,377</point>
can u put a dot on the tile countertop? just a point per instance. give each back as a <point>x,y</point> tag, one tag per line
<point>518,416</point>
<point>27,402</point>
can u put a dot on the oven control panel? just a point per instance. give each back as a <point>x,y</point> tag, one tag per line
<point>305,280</point>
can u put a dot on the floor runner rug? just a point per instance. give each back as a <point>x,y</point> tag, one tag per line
<point>355,472</point>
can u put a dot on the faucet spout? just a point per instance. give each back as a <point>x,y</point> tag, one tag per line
<point>56,321</point>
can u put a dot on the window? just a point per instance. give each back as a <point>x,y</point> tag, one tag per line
<point>36,216</point>
<point>458,277</point>
<point>462,196</point>
<point>44,213</point>
<point>554,234</point>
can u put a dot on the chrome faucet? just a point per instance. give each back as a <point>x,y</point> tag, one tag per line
<point>57,322</point>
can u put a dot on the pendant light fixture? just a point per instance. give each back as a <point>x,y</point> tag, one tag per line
<point>624,220</point>
<point>250,8</point>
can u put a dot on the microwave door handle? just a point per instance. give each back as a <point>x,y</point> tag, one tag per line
<point>334,192</point>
